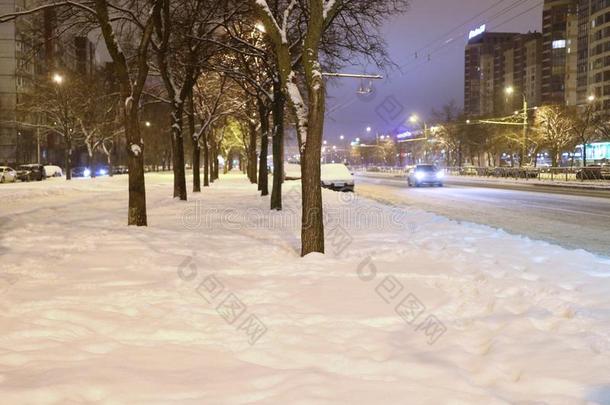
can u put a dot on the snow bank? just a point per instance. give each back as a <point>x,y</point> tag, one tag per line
<point>212,304</point>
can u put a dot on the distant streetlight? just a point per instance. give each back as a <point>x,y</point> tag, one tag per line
<point>325,143</point>
<point>591,98</point>
<point>510,90</point>
<point>148,124</point>
<point>357,139</point>
<point>414,119</point>
<point>58,79</point>
<point>342,137</point>
<point>369,129</point>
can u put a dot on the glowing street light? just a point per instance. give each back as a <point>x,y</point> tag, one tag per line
<point>414,119</point>
<point>342,137</point>
<point>369,129</point>
<point>591,98</point>
<point>57,78</point>
<point>510,90</point>
<point>148,124</point>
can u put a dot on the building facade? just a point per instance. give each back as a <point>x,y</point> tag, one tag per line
<point>497,61</point>
<point>30,50</point>
<point>559,51</point>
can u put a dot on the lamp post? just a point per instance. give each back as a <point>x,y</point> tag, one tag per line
<point>509,91</point>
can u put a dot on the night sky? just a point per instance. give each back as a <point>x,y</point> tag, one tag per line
<point>421,85</point>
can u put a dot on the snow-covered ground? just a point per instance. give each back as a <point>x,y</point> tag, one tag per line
<point>212,304</point>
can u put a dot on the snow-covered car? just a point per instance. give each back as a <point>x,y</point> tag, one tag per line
<point>53,171</point>
<point>336,176</point>
<point>31,172</point>
<point>7,175</point>
<point>425,174</point>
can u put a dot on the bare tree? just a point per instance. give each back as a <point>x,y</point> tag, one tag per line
<point>556,128</point>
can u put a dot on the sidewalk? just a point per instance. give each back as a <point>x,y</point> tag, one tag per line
<point>212,304</point>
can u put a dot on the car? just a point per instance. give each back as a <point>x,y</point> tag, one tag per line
<point>120,170</point>
<point>53,171</point>
<point>425,175</point>
<point>102,170</point>
<point>337,177</point>
<point>31,172</point>
<point>81,171</point>
<point>7,175</point>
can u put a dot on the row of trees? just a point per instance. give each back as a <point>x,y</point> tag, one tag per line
<point>230,74</point>
<point>553,128</point>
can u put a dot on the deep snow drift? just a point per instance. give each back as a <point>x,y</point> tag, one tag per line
<point>212,304</point>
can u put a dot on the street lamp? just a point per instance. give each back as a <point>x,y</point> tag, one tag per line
<point>148,124</point>
<point>414,119</point>
<point>591,98</point>
<point>510,90</point>
<point>342,137</point>
<point>57,78</point>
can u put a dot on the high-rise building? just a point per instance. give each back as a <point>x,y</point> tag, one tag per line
<point>594,51</point>
<point>497,61</point>
<point>31,49</point>
<point>481,72</point>
<point>559,51</point>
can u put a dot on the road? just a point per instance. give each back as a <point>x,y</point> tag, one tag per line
<point>571,220</point>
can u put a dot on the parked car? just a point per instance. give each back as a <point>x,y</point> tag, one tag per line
<point>469,171</point>
<point>120,170</point>
<point>53,171</point>
<point>336,176</point>
<point>31,172</point>
<point>425,175</point>
<point>7,175</point>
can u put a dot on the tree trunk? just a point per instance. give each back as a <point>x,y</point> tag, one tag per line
<point>584,153</point>
<point>312,225</point>
<point>263,172</point>
<point>91,164</point>
<point>278,145</point>
<point>178,151</point>
<point>68,159</point>
<point>206,161</point>
<point>252,158</point>
<point>196,147</point>
<point>135,163</point>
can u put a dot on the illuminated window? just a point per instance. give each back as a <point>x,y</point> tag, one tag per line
<point>559,44</point>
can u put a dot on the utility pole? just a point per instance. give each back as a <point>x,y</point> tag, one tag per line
<point>525,127</point>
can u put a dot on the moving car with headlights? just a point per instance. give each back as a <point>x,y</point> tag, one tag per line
<point>81,171</point>
<point>7,175</point>
<point>31,172</point>
<point>425,175</point>
<point>336,176</point>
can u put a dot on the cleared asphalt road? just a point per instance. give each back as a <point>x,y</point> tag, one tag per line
<point>571,220</point>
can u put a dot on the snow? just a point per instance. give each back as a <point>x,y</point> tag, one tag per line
<point>136,150</point>
<point>294,93</point>
<point>97,312</point>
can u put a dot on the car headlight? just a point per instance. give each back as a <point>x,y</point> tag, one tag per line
<point>103,172</point>
<point>86,172</point>
<point>440,174</point>
<point>420,175</point>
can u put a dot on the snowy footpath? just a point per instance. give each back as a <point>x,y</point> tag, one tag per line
<point>211,304</point>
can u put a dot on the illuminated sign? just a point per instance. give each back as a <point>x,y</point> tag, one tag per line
<point>477,32</point>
